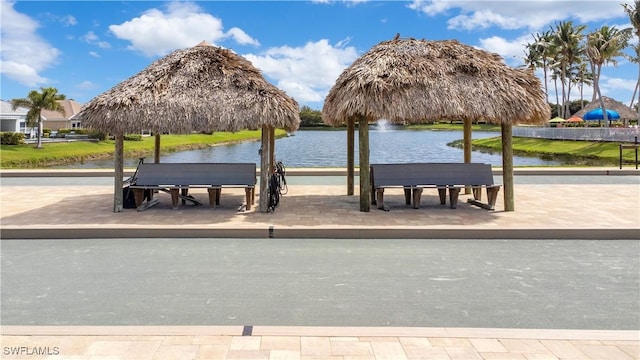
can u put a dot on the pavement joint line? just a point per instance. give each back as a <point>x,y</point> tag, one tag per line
<point>262,330</point>
<point>317,232</point>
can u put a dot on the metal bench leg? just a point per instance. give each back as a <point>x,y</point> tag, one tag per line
<point>417,194</point>
<point>184,193</point>
<point>453,197</point>
<point>212,197</point>
<point>442,192</point>
<point>477,193</point>
<point>407,196</point>
<point>248,196</point>
<point>138,195</point>
<point>175,195</point>
<point>492,195</point>
<point>379,198</point>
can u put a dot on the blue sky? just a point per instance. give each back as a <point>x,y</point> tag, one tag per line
<point>84,48</point>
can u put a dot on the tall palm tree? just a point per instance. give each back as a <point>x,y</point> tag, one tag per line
<point>567,40</point>
<point>604,45</point>
<point>582,77</point>
<point>36,101</point>
<point>544,42</point>
<point>634,18</point>
<point>636,60</point>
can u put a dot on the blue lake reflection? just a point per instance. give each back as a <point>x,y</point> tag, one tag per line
<point>318,148</point>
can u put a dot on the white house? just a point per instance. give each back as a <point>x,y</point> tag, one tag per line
<point>15,120</point>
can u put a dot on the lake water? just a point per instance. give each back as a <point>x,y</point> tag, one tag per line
<point>318,148</point>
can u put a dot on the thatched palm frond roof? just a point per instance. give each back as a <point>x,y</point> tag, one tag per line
<point>203,88</point>
<point>411,81</point>
<point>610,104</point>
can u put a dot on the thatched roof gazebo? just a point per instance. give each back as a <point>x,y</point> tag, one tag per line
<point>625,112</point>
<point>417,81</point>
<point>203,88</point>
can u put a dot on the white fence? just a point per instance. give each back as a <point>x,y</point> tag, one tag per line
<point>631,134</point>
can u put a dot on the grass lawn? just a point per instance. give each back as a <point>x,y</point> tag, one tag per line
<point>607,151</point>
<point>28,156</point>
<point>453,127</point>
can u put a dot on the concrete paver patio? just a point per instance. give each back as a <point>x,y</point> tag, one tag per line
<point>589,211</point>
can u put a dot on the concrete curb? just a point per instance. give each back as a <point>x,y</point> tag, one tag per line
<point>322,172</point>
<point>235,330</point>
<point>318,233</point>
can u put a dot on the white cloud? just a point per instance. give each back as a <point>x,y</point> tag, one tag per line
<point>23,54</point>
<point>483,20</point>
<point>85,85</point>
<point>531,14</point>
<point>181,25</point>
<point>306,73</point>
<point>94,54</point>
<point>241,37</point>
<point>93,39</point>
<point>609,84</point>
<point>511,50</point>
<point>69,20</point>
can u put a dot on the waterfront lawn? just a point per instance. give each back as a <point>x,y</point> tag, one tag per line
<point>608,151</point>
<point>453,127</point>
<point>57,153</point>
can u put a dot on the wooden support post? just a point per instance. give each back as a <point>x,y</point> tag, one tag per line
<point>507,167</point>
<point>350,155</point>
<point>467,147</point>
<point>272,149</point>
<point>264,171</point>
<point>118,159</point>
<point>156,150</point>
<point>365,180</point>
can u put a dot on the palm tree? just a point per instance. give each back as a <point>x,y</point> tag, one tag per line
<point>36,101</point>
<point>603,46</point>
<point>567,43</point>
<point>634,18</point>
<point>583,77</point>
<point>636,60</point>
<point>545,44</point>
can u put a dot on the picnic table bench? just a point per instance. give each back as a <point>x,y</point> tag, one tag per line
<point>177,178</point>
<point>414,177</point>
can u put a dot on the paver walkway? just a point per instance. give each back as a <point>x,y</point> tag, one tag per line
<point>542,211</point>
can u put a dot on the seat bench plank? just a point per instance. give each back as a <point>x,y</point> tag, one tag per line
<point>177,178</point>
<point>414,177</point>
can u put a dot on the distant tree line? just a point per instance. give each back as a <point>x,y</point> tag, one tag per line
<point>571,58</point>
<point>310,117</point>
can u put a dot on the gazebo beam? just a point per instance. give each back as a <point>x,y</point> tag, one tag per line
<point>507,167</point>
<point>467,146</point>
<point>350,155</point>
<point>156,150</point>
<point>264,170</point>
<point>118,182</point>
<point>365,180</point>
<point>272,150</point>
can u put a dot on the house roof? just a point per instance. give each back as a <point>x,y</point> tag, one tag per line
<point>71,108</point>
<point>7,108</point>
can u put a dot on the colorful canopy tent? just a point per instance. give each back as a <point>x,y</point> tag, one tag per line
<point>597,114</point>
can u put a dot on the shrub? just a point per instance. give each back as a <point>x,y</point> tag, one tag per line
<point>98,135</point>
<point>11,138</point>
<point>133,137</point>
